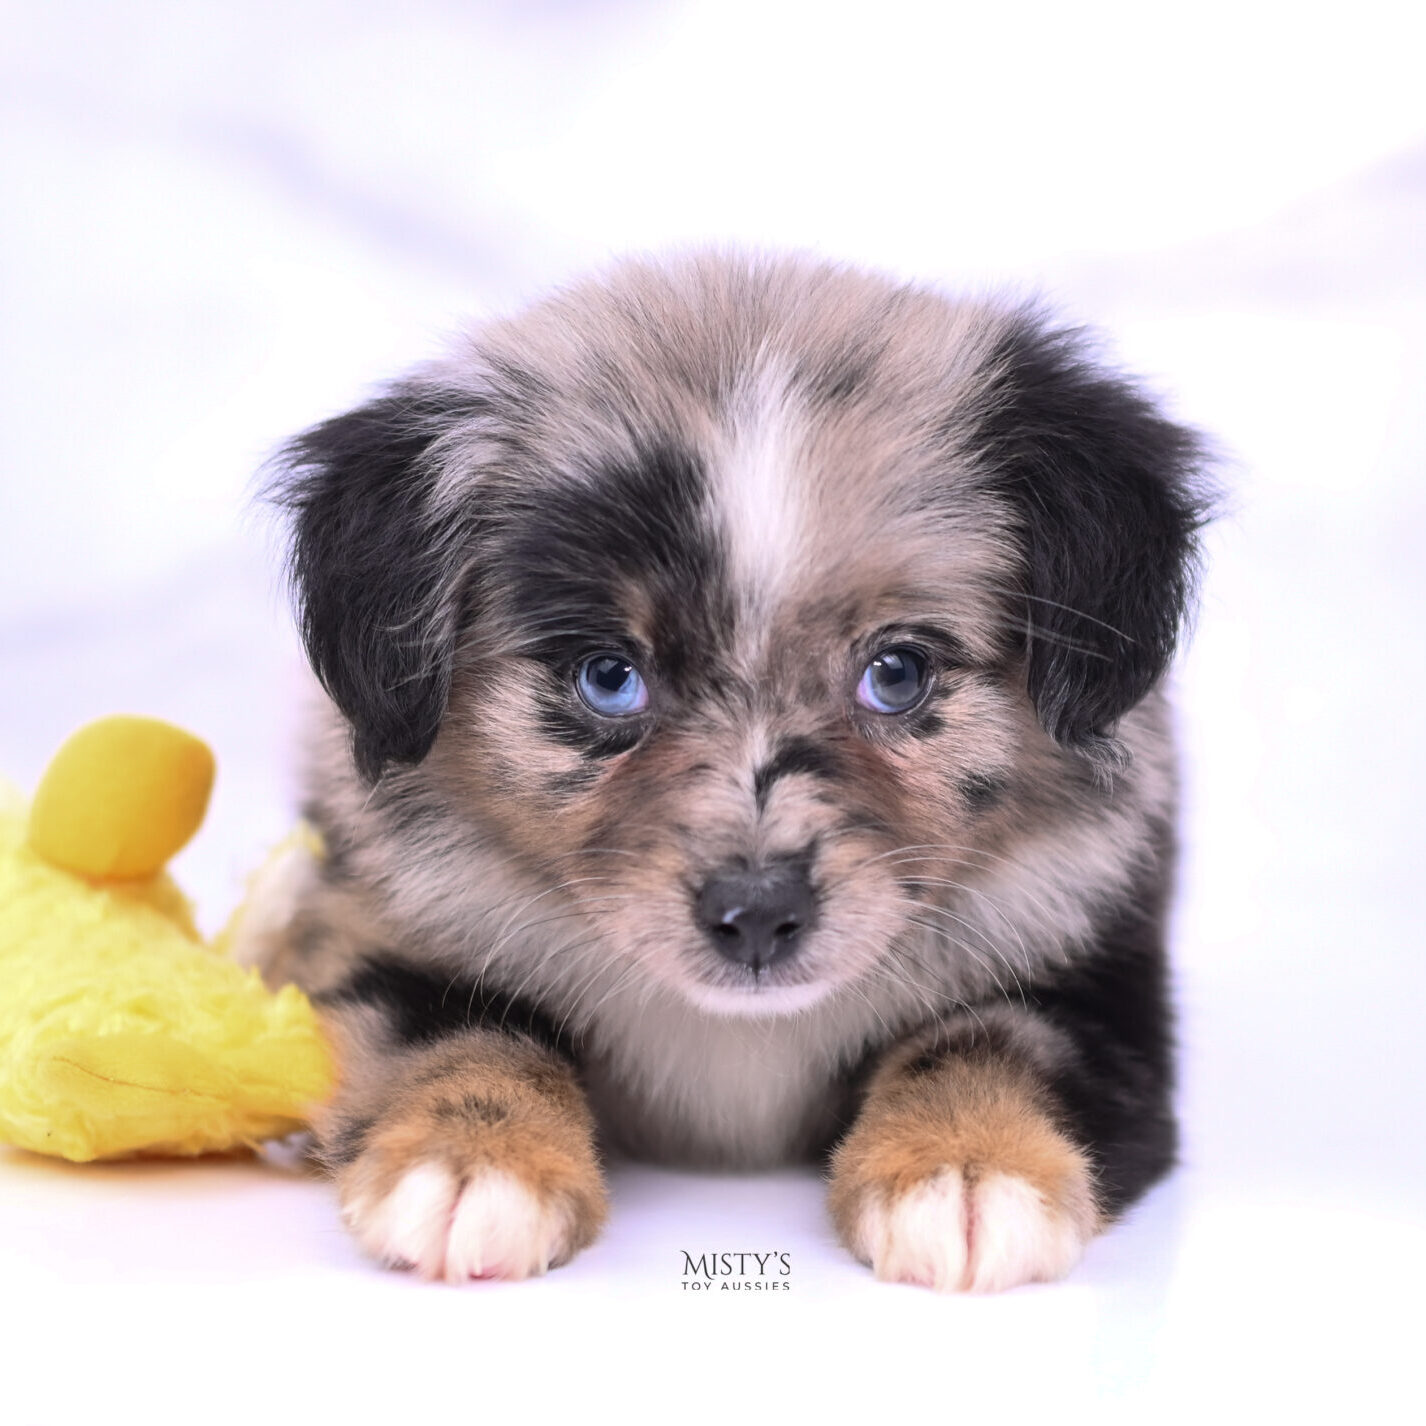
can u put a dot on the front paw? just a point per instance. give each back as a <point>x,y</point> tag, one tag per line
<point>960,1180</point>
<point>456,1181</point>
<point>969,1230</point>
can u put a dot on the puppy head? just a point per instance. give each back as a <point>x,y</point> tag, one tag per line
<point>753,599</point>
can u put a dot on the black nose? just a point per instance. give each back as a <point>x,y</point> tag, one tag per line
<point>756,915</point>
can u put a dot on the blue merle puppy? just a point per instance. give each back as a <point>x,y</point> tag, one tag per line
<point>743,744</point>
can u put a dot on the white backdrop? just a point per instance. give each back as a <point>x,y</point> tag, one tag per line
<point>223,222</point>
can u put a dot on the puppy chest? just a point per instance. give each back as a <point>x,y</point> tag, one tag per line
<point>725,1094</point>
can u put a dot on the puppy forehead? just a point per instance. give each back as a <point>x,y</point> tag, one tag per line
<point>838,521</point>
<point>721,453</point>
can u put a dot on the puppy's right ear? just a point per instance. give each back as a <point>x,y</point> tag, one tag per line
<point>378,564</point>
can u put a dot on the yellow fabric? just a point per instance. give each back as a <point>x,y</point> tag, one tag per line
<point>121,797</point>
<point>120,1034</point>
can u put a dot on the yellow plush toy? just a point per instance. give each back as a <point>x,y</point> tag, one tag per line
<point>121,1033</point>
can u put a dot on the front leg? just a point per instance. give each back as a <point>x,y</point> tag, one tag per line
<point>960,1172</point>
<point>466,1155</point>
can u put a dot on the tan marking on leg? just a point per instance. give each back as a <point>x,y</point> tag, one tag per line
<point>477,1160</point>
<point>958,1178</point>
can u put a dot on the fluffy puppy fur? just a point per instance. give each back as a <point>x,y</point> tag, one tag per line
<point>744,744</point>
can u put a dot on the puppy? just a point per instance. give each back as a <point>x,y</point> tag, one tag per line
<point>744,744</point>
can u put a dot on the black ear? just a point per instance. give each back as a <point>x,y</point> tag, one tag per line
<point>377,565</point>
<point>1109,497</point>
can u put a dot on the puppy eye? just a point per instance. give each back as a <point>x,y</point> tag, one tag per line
<point>611,686</point>
<point>895,681</point>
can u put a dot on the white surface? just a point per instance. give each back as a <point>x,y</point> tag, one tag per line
<point>222,223</point>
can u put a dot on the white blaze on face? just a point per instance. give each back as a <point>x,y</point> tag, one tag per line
<point>760,496</point>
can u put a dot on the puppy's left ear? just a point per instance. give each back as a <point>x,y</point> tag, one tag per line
<point>379,563</point>
<point>1108,496</point>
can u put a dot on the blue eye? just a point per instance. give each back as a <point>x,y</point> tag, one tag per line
<point>611,686</point>
<point>895,681</point>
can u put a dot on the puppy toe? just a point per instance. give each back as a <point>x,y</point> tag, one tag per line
<point>919,1237</point>
<point>408,1226</point>
<point>1017,1234</point>
<point>501,1229</point>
